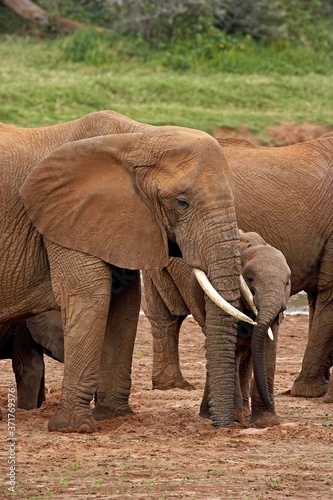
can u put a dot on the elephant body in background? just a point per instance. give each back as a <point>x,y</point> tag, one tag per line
<point>286,193</point>
<point>99,198</point>
<point>172,293</point>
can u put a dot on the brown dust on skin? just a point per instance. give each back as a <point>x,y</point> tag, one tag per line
<point>167,450</point>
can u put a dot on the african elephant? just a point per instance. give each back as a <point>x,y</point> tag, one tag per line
<point>172,293</point>
<point>285,193</point>
<point>105,196</point>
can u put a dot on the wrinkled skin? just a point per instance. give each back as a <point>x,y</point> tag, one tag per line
<point>290,203</point>
<point>172,293</point>
<point>100,198</point>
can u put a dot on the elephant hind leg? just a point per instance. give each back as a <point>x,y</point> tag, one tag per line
<point>312,381</point>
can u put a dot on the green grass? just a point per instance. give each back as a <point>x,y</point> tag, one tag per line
<point>39,87</point>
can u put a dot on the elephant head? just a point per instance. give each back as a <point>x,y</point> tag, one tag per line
<point>267,274</point>
<point>128,197</point>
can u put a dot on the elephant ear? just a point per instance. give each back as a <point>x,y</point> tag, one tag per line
<point>82,197</point>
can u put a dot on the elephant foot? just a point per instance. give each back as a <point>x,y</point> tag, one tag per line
<point>328,398</point>
<point>179,383</point>
<point>241,417</point>
<point>103,412</point>
<point>68,421</point>
<point>313,388</point>
<point>265,419</point>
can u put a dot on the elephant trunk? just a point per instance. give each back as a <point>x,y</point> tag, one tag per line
<point>220,328</point>
<point>265,318</point>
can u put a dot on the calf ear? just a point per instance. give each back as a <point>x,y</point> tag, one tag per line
<point>82,197</point>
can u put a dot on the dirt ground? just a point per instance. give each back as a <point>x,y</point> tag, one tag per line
<point>166,450</point>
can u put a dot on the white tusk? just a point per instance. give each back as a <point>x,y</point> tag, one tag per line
<point>247,295</point>
<point>270,333</point>
<point>217,299</point>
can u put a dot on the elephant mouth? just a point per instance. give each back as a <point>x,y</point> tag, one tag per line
<point>173,249</point>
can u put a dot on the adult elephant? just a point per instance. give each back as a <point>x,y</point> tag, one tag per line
<point>172,294</point>
<point>102,195</point>
<point>285,193</point>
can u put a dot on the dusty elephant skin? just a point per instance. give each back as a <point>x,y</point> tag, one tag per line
<point>285,193</point>
<point>172,294</point>
<point>93,197</point>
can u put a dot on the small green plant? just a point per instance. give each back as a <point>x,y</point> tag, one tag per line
<point>147,482</point>
<point>273,482</point>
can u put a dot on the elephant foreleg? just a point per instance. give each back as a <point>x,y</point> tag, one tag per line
<point>114,382</point>
<point>82,288</point>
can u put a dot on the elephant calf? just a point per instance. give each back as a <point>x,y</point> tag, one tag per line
<point>172,293</point>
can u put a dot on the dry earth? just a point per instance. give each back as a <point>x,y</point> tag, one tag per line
<point>167,450</point>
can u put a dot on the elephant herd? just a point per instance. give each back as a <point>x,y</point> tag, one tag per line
<point>86,205</point>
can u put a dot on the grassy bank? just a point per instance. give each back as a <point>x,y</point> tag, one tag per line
<point>38,86</point>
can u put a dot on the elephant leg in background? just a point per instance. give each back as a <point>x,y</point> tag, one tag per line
<point>114,381</point>
<point>28,366</point>
<point>318,357</point>
<point>166,364</point>
<point>259,415</point>
<point>82,288</point>
<point>165,328</point>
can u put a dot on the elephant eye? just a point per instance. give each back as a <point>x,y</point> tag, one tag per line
<point>182,203</point>
<point>249,278</point>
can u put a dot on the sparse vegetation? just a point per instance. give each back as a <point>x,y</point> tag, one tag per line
<point>193,75</point>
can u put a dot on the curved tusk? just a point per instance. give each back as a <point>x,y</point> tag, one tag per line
<point>247,295</point>
<point>217,299</point>
<point>270,333</point>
